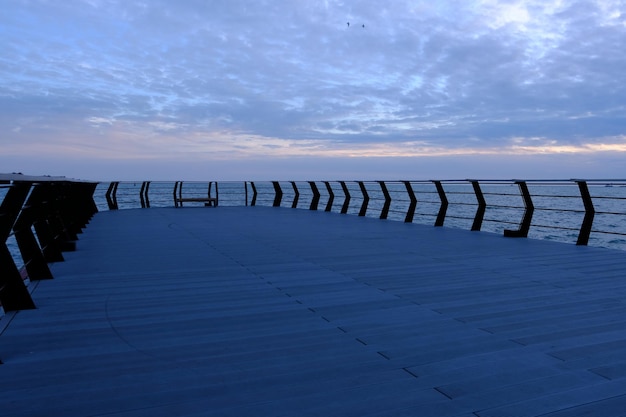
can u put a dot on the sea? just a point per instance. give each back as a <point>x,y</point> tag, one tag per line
<point>558,207</point>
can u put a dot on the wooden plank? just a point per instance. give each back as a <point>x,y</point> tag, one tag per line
<point>569,402</point>
<point>271,311</point>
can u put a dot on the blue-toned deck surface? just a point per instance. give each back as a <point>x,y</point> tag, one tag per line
<point>262,311</point>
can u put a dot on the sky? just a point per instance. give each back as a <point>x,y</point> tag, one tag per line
<point>313,89</point>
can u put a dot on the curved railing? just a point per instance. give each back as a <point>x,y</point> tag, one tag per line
<point>576,211</point>
<point>40,216</point>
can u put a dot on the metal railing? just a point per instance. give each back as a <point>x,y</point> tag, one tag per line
<point>42,215</point>
<point>565,210</point>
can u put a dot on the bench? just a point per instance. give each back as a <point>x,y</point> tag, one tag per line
<point>208,201</point>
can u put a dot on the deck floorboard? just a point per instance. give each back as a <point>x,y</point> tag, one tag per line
<point>279,312</point>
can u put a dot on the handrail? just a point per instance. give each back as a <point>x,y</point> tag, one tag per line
<point>579,211</point>
<point>56,209</point>
<point>179,200</point>
<point>534,210</point>
<point>41,217</point>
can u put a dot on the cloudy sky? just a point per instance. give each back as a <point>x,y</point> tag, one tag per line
<point>234,89</point>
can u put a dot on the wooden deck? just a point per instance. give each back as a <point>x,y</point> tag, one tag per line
<point>259,311</point>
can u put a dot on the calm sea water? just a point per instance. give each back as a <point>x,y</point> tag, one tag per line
<point>558,214</point>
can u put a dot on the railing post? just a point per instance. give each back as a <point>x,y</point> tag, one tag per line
<point>346,201</point>
<point>13,292</point>
<point>142,201</point>
<point>529,209</point>
<point>278,194</point>
<point>296,195</point>
<point>411,210</point>
<point>91,208</point>
<point>254,193</point>
<point>111,195</point>
<point>178,189</point>
<point>143,194</point>
<point>35,255</point>
<point>366,199</point>
<point>443,208</point>
<point>316,196</point>
<point>245,189</point>
<point>585,228</point>
<point>36,214</point>
<point>58,195</point>
<point>174,194</point>
<point>78,206</point>
<point>146,195</point>
<point>210,202</point>
<point>482,206</point>
<point>331,196</point>
<point>385,211</point>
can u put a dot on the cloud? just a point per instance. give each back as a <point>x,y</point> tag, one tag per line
<point>291,78</point>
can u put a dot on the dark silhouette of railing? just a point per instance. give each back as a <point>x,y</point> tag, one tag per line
<point>480,202</point>
<point>56,209</point>
<point>508,206</point>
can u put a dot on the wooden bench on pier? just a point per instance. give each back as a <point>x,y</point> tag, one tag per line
<point>209,201</point>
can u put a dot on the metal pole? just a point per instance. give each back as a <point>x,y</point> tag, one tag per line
<point>316,196</point>
<point>585,228</point>
<point>331,196</point>
<point>366,199</point>
<point>482,206</point>
<point>411,210</point>
<point>443,208</point>
<point>278,194</point>
<point>385,211</point>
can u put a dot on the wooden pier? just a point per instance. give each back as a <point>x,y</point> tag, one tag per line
<point>269,311</point>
